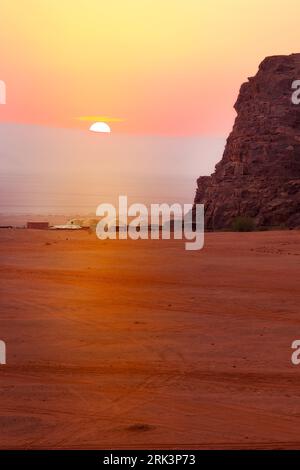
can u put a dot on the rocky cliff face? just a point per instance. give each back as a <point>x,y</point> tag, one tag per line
<point>259,174</point>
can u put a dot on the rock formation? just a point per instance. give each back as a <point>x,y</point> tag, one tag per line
<point>259,173</point>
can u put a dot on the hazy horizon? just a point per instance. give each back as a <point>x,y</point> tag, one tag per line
<point>52,170</point>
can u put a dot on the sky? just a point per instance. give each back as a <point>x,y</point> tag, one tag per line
<point>163,66</point>
<point>164,73</point>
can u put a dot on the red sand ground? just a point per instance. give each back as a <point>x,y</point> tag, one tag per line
<point>143,344</point>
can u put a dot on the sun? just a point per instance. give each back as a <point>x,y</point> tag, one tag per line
<point>100,127</point>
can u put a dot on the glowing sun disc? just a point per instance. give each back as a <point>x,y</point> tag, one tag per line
<point>100,127</point>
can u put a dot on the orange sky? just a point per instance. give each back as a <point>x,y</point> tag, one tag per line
<point>164,66</point>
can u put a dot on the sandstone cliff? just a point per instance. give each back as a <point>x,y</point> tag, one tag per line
<point>259,173</point>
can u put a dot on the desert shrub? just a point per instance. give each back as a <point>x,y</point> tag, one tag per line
<point>243,224</point>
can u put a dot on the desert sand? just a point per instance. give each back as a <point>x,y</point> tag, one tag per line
<point>141,344</point>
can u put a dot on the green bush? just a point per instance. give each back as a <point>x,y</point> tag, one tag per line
<point>243,224</point>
